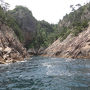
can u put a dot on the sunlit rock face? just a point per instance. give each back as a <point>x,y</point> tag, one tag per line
<point>71,47</point>
<point>11,49</point>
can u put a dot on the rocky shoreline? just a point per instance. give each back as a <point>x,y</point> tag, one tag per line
<point>11,49</point>
<point>10,55</point>
<point>71,47</point>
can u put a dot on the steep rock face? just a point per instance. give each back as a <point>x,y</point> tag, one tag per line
<point>11,49</point>
<point>71,47</point>
<point>26,21</point>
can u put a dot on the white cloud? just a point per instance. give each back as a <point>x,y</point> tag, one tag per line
<point>49,10</point>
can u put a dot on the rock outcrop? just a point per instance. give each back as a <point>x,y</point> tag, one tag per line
<point>74,38</point>
<point>26,21</point>
<point>71,47</point>
<point>35,33</point>
<point>11,50</point>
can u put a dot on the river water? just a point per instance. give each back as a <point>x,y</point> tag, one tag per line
<point>40,73</point>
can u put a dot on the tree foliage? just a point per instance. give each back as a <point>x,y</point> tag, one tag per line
<point>11,22</point>
<point>46,34</point>
<point>75,22</point>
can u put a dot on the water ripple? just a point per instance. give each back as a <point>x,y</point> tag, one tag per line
<point>41,73</point>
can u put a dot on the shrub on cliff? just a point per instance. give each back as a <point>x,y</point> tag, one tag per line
<point>79,27</point>
<point>75,22</point>
<point>10,21</point>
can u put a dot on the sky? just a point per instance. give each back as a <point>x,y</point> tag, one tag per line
<point>49,10</point>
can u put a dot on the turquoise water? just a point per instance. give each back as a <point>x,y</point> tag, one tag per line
<point>41,73</point>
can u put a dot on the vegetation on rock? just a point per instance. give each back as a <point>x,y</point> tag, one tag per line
<point>75,22</point>
<point>37,34</point>
<point>11,22</point>
<point>45,35</point>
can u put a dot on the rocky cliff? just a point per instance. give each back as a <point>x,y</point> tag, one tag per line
<point>71,47</point>
<point>11,50</point>
<point>26,21</point>
<point>37,34</point>
<point>74,40</point>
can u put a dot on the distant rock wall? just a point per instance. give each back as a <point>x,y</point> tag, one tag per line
<point>71,47</point>
<point>11,50</point>
<point>26,21</point>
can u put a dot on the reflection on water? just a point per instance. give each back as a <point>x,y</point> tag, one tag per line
<point>41,73</point>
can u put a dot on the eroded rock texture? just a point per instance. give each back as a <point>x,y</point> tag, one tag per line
<point>71,47</point>
<point>11,50</point>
